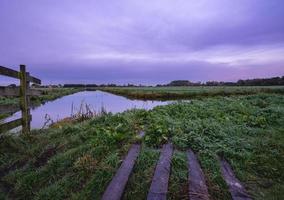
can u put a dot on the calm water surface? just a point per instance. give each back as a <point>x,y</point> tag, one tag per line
<point>62,107</point>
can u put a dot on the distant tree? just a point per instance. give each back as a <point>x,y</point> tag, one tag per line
<point>111,85</point>
<point>248,82</point>
<point>91,85</point>
<point>179,83</point>
<point>74,85</point>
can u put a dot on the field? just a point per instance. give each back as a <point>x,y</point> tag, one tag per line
<point>77,160</point>
<point>166,93</point>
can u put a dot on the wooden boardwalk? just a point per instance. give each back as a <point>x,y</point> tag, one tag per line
<point>159,187</point>
<point>116,187</point>
<point>237,190</point>
<point>197,185</point>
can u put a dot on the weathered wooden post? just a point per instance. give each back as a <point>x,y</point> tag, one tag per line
<point>28,101</point>
<point>24,100</point>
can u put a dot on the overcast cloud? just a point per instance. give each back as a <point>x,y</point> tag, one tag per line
<point>148,42</point>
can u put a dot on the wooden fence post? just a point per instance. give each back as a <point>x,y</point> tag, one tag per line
<point>28,103</point>
<point>23,100</point>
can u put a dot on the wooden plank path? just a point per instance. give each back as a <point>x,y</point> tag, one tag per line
<point>237,190</point>
<point>159,186</point>
<point>116,187</point>
<point>197,185</point>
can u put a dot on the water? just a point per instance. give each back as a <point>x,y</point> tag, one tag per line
<point>62,108</point>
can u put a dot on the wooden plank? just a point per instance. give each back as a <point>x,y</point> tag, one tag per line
<point>34,80</point>
<point>9,108</point>
<point>15,74</point>
<point>9,72</point>
<point>237,190</point>
<point>10,125</point>
<point>116,187</point>
<point>159,186</point>
<point>197,184</point>
<point>15,92</point>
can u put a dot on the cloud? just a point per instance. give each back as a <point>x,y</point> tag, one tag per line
<point>130,36</point>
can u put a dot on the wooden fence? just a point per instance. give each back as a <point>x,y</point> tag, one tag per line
<point>23,92</point>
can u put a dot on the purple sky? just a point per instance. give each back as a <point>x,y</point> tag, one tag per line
<point>148,42</point>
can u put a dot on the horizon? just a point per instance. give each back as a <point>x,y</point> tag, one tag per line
<point>142,43</point>
<point>10,81</point>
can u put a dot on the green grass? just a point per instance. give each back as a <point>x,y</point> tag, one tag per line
<point>8,101</point>
<point>189,92</point>
<point>178,185</point>
<point>247,130</point>
<point>87,155</point>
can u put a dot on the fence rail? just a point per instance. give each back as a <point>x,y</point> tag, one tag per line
<point>23,92</point>
<point>15,74</point>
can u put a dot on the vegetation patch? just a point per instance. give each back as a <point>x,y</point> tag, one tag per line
<point>189,92</point>
<point>77,160</point>
<point>178,186</point>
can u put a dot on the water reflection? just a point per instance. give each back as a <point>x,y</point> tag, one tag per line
<point>62,107</point>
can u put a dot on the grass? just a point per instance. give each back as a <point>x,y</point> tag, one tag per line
<point>247,130</point>
<point>189,92</point>
<point>8,101</point>
<point>90,150</point>
<point>178,186</point>
<point>76,161</point>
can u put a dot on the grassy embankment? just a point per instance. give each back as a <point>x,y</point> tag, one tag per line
<point>77,161</point>
<point>166,93</point>
<point>47,95</point>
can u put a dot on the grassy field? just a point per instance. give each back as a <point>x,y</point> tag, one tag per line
<point>76,161</point>
<point>166,93</point>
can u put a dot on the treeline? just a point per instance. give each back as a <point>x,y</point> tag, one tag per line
<point>249,82</point>
<point>95,85</point>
